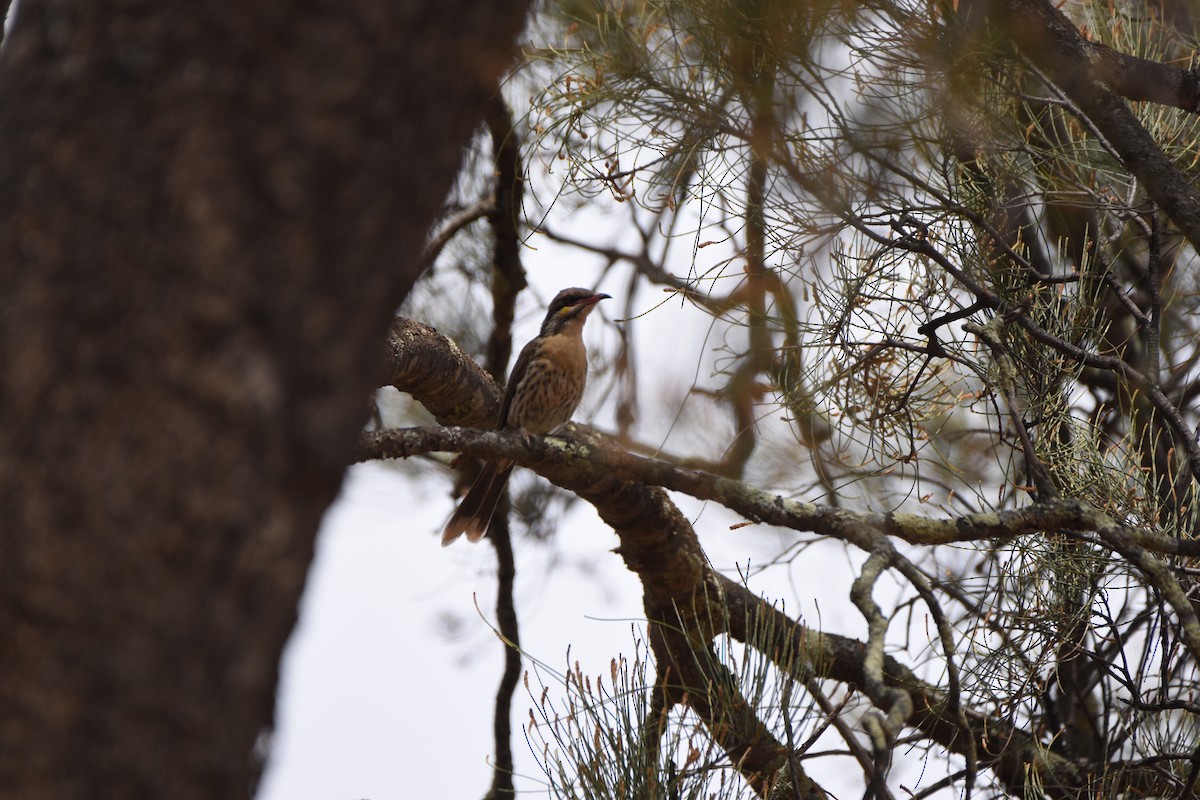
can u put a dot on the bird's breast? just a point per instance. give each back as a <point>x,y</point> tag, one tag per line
<point>551,387</point>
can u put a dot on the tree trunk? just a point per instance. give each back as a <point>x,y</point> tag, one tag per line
<point>209,212</point>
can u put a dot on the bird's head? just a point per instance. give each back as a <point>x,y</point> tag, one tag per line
<point>569,305</point>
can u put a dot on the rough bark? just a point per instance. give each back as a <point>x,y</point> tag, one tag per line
<point>210,211</point>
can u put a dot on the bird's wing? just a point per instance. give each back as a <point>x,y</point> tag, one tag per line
<point>514,380</point>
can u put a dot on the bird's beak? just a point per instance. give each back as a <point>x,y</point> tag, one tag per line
<point>596,298</point>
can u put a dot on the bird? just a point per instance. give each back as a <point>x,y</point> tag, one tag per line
<point>543,390</point>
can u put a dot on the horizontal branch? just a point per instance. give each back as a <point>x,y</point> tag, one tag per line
<point>1137,78</point>
<point>591,456</point>
<point>582,464</point>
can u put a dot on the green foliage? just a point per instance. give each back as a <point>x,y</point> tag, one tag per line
<point>590,738</point>
<point>608,737</point>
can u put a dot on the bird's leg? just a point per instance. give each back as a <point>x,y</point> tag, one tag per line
<point>559,431</point>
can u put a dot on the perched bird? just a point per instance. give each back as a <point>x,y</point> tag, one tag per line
<point>545,386</point>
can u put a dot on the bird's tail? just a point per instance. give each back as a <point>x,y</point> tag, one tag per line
<point>475,511</point>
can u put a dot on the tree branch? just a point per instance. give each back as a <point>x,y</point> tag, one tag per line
<point>1092,78</point>
<point>592,468</point>
<point>588,456</point>
<point>451,226</point>
<point>1018,758</point>
<point>508,279</point>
